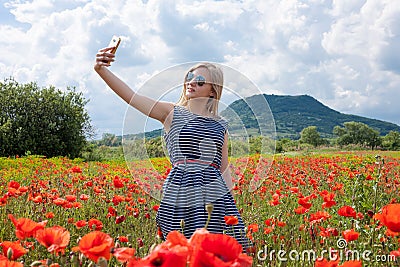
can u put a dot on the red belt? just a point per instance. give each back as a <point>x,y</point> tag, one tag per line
<point>179,162</point>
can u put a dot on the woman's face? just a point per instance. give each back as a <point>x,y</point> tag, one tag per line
<point>198,84</point>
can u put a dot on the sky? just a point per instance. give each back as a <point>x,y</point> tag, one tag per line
<point>346,54</point>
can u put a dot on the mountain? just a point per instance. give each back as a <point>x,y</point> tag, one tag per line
<point>294,113</point>
<point>291,115</point>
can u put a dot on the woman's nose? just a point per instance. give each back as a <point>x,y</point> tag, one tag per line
<point>192,82</point>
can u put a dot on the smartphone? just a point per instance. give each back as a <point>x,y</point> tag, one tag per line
<point>114,42</point>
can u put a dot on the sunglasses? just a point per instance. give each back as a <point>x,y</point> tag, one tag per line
<point>199,80</point>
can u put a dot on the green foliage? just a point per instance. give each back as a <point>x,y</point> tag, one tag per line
<point>109,139</point>
<point>261,144</point>
<point>357,133</point>
<point>93,152</point>
<point>154,147</point>
<point>286,144</point>
<point>311,136</point>
<point>391,141</point>
<point>42,121</point>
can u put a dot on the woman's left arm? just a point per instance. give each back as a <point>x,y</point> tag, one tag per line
<point>226,174</point>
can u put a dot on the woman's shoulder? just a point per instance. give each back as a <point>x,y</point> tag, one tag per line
<point>222,121</point>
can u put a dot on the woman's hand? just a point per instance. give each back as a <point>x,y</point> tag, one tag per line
<point>104,58</point>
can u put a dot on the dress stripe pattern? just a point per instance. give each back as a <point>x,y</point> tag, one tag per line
<point>194,145</point>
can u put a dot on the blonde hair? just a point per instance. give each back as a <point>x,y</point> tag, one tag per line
<point>217,81</point>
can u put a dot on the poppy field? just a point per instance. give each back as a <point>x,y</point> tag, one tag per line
<point>316,209</point>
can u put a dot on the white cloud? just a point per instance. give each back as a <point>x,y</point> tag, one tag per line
<point>344,53</point>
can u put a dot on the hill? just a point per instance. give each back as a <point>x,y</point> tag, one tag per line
<point>294,113</point>
<point>291,115</point>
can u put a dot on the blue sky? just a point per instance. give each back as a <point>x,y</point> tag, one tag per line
<point>346,54</point>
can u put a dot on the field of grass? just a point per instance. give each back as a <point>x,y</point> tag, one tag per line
<point>317,204</point>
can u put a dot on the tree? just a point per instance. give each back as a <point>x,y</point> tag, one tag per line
<point>357,133</point>
<point>42,121</point>
<point>109,139</point>
<point>286,144</point>
<point>310,135</point>
<point>154,147</point>
<point>391,141</point>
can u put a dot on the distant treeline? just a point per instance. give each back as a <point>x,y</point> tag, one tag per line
<point>353,135</point>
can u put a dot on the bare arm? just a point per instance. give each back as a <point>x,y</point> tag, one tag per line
<point>226,174</point>
<point>155,109</point>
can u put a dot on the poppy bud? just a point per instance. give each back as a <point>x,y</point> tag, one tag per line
<point>140,242</point>
<point>10,253</point>
<point>209,208</point>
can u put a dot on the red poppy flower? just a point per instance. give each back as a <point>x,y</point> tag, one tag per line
<point>301,210</point>
<point>390,217</point>
<point>98,225</point>
<point>49,215</point>
<point>83,197</point>
<point>304,201</point>
<point>4,262</point>
<point>25,227</point>
<point>328,200</point>
<point>198,236</point>
<point>80,224</point>
<point>37,199</point>
<point>23,189</point>
<point>173,252</point>
<point>319,216</point>
<point>123,239</point>
<point>350,235</point>
<point>55,239</point>
<point>140,242</point>
<point>77,205</point>
<point>13,184</point>
<point>117,182</point>
<point>161,257</point>
<point>268,230</point>
<point>111,212</point>
<point>60,201</point>
<point>17,249</point>
<point>217,250</point>
<point>94,245</point>
<point>117,199</point>
<point>231,220</point>
<point>175,238</point>
<point>353,263</point>
<point>123,254</point>
<point>395,253</point>
<point>76,169</point>
<point>3,200</point>
<point>253,228</point>
<point>328,231</point>
<point>347,211</point>
<point>269,222</point>
<point>294,189</point>
<point>70,198</point>
<point>325,263</point>
<point>119,219</point>
<point>142,200</point>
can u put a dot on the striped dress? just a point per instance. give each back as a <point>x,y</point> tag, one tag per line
<point>194,145</point>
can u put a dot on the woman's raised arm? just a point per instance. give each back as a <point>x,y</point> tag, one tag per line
<point>158,110</point>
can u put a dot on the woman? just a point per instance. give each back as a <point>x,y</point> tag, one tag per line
<point>197,142</point>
